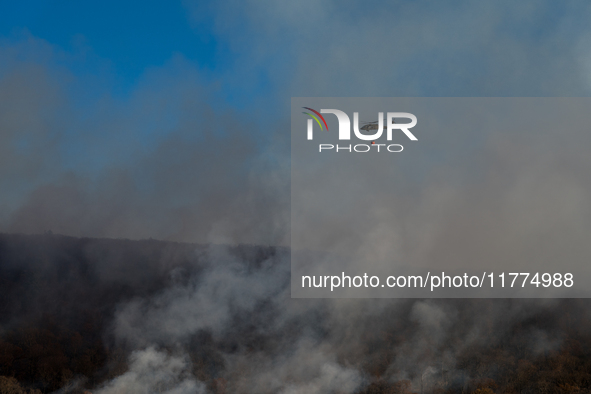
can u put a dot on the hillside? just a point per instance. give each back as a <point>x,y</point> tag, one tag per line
<point>112,315</point>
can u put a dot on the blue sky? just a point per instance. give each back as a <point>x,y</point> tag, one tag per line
<point>127,36</point>
<point>119,43</point>
<point>258,49</point>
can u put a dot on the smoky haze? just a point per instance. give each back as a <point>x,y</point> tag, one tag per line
<point>202,156</point>
<point>152,316</point>
<point>491,185</point>
<point>193,155</point>
<point>170,163</point>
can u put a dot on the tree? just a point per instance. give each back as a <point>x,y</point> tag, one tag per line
<point>10,385</point>
<point>485,390</point>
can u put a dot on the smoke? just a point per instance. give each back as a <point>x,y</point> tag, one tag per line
<point>157,372</point>
<point>198,157</point>
<point>170,161</point>
<point>125,316</point>
<point>399,49</point>
<point>225,288</point>
<point>194,155</point>
<point>254,338</point>
<point>232,301</point>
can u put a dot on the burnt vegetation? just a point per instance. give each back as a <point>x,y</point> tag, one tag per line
<point>59,297</point>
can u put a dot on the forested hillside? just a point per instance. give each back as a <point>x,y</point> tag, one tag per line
<point>110,316</point>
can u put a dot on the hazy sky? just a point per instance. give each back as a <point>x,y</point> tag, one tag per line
<point>171,119</point>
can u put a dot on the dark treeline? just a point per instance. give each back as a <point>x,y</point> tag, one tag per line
<point>57,302</point>
<point>60,296</point>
